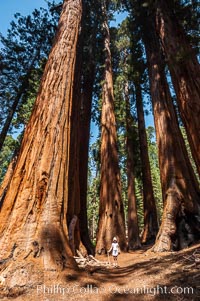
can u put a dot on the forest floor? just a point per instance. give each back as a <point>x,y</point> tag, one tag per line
<point>141,276</point>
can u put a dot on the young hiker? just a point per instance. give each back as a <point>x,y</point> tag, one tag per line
<point>115,251</point>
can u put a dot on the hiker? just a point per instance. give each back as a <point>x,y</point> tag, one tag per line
<point>115,251</point>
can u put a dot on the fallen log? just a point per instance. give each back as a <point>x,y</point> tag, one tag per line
<point>90,263</point>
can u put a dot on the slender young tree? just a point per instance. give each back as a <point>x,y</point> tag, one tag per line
<point>180,221</point>
<point>34,211</point>
<point>185,72</point>
<point>111,211</point>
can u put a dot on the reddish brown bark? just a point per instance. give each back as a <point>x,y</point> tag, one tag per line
<point>179,186</point>
<point>74,206</point>
<point>111,211</point>
<point>36,204</point>
<point>88,78</point>
<point>86,81</point>
<point>185,73</point>
<point>150,212</point>
<point>85,120</point>
<point>133,228</point>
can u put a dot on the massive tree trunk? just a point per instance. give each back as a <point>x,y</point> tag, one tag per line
<point>33,215</point>
<point>73,178</point>
<point>85,119</point>
<point>185,73</point>
<point>133,227</point>
<point>82,124</point>
<point>150,212</point>
<point>180,222</point>
<point>111,211</point>
<point>83,157</point>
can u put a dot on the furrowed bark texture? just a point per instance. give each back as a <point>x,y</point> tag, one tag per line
<point>185,73</point>
<point>73,179</point>
<point>111,212</point>
<point>179,186</point>
<point>35,206</point>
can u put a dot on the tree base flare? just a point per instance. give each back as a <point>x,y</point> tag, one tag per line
<point>22,278</point>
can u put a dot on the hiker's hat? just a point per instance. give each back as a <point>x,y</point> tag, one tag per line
<point>115,239</point>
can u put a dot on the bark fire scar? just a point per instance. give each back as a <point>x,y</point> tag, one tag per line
<point>41,191</point>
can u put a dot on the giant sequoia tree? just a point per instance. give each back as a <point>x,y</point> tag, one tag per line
<point>126,127</point>
<point>181,195</point>
<point>185,72</point>
<point>33,214</point>
<point>150,212</point>
<point>139,78</point>
<point>43,199</point>
<point>81,118</point>
<point>133,227</point>
<point>90,50</point>
<point>111,211</point>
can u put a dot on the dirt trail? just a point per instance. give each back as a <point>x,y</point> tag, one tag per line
<point>142,276</point>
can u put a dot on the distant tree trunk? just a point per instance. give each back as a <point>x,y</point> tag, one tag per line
<point>36,204</point>
<point>180,222</point>
<point>150,212</point>
<point>133,228</point>
<point>111,211</point>
<point>185,73</point>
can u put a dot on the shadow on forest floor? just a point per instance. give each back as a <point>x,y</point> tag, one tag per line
<point>142,276</point>
<point>151,276</point>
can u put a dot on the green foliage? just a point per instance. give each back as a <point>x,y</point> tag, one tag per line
<point>93,188</point>
<point>6,154</point>
<point>188,14</point>
<point>139,202</point>
<point>23,112</point>
<point>23,53</point>
<point>155,171</point>
<point>93,207</point>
